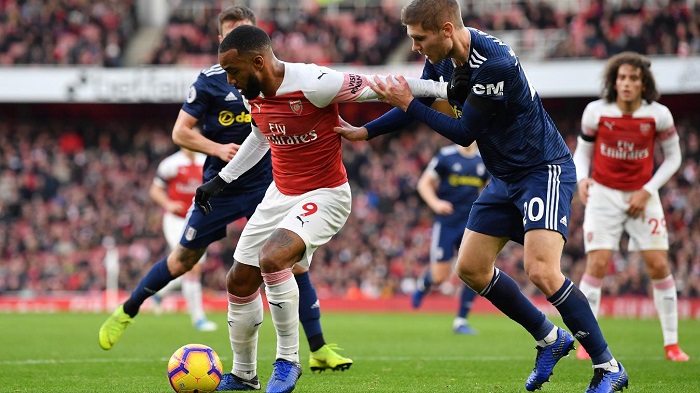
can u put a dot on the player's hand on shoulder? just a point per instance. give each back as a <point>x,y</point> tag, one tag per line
<point>583,186</point>
<point>228,151</point>
<point>206,191</point>
<point>350,132</point>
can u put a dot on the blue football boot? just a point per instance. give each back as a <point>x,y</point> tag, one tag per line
<point>230,382</point>
<point>605,381</point>
<point>285,375</point>
<point>547,358</point>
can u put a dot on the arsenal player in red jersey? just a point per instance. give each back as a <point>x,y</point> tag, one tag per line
<point>294,109</point>
<point>617,184</point>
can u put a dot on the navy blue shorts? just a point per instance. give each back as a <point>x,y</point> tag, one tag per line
<point>201,231</point>
<point>540,200</point>
<point>445,241</point>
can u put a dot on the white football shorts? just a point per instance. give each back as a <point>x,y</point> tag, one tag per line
<point>315,216</point>
<point>605,219</point>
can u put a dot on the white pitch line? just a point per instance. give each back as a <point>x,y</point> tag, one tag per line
<point>263,358</point>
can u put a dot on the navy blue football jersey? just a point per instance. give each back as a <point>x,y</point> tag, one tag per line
<point>461,180</point>
<point>224,119</point>
<point>519,135</point>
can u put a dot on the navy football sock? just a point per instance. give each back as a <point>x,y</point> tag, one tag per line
<point>505,294</point>
<point>578,317</point>
<point>427,280</point>
<point>310,312</point>
<point>466,299</point>
<point>158,277</point>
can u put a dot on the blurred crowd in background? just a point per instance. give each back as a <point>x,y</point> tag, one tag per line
<point>67,186</point>
<point>99,32</point>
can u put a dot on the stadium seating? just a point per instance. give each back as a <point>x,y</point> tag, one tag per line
<point>101,32</point>
<point>70,181</point>
<point>66,185</point>
<point>66,32</point>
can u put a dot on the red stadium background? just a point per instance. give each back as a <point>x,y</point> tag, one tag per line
<point>86,110</point>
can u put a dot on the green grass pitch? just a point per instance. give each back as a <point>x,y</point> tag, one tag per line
<point>402,352</point>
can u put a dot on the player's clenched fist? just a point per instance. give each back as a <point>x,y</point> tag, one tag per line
<point>206,191</point>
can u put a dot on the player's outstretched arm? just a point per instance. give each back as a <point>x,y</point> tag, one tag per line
<point>460,131</point>
<point>397,119</point>
<point>414,87</point>
<point>335,87</point>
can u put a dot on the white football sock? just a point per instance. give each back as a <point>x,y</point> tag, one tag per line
<point>283,296</point>
<point>666,302</point>
<point>550,338</point>
<point>591,287</point>
<point>192,292</point>
<point>245,315</point>
<point>609,366</point>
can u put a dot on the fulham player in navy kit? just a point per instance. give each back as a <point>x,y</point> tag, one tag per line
<point>529,197</point>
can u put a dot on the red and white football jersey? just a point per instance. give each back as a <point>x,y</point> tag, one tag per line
<point>298,124</point>
<point>180,176</point>
<point>623,156</point>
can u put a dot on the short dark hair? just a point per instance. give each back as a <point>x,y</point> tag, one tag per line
<point>236,13</point>
<point>432,14</point>
<point>636,60</point>
<point>246,39</point>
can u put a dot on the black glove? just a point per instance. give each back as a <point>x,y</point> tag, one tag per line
<point>458,89</point>
<point>206,191</point>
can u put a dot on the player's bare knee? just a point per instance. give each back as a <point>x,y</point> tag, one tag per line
<point>181,260</point>
<point>541,274</point>
<point>597,264</point>
<point>274,261</point>
<point>657,264</point>
<point>658,269</point>
<point>243,280</point>
<point>472,277</point>
<point>281,251</point>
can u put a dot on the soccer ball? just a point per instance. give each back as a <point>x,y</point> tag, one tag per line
<point>194,368</point>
